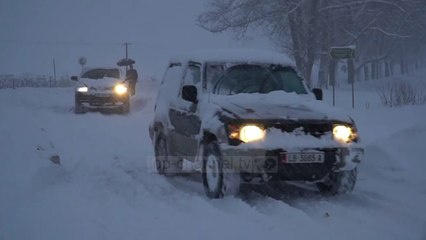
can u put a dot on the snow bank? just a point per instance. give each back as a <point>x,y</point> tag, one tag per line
<point>103,188</point>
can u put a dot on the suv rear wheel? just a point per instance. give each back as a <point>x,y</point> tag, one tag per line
<point>166,164</point>
<point>338,182</point>
<point>218,180</point>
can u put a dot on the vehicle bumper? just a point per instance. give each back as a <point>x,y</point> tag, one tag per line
<point>101,101</point>
<point>269,165</point>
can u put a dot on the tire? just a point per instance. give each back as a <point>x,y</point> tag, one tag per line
<point>338,183</point>
<point>125,109</point>
<point>218,180</point>
<point>78,108</point>
<point>166,165</point>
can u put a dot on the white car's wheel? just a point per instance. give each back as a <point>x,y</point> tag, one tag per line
<point>338,182</point>
<point>166,164</point>
<point>218,181</point>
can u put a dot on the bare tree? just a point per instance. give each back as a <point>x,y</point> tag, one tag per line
<point>293,25</point>
<point>385,31</point>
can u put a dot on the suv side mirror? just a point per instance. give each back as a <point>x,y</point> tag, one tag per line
<point>189,93</point>
<point>74,78</point>
<point>318,93</point>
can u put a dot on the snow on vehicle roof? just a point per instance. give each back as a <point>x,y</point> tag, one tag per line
<point>86,69</point>
<point>232,55</point>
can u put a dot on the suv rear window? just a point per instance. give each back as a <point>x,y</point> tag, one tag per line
<point>248,78</point>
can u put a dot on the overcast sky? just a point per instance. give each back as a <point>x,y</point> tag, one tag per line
<point>33,32</point>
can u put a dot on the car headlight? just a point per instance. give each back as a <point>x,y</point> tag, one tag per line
<point>82,89</point>
<point>120,89</point>
<point>344,133</point>
<point>247,133</point>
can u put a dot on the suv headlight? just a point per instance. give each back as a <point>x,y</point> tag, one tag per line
<point>82,89</point>
<point>120,89</point>
<point>246,133</point>
<point>343,133</point>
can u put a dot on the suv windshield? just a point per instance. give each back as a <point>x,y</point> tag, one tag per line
<point>100,73</point>
<point>258,79</point>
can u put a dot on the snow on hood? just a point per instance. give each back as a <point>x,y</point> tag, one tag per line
<point>100,84</point>
<point>276,105</point>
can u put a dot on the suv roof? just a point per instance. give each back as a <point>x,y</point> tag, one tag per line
<point>102,72</point>
<point>86,69</point>
<point>223,55</point>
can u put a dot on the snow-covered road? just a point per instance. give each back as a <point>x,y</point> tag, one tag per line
<point>106,187</point>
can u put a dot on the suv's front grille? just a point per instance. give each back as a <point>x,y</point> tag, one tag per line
<point>96,100</point>
<point>314,129</point>
<point>99,101</point>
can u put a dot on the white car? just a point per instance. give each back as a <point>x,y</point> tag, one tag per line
<point>248,117</point>
<point>101,88</point>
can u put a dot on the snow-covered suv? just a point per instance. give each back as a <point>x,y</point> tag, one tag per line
<point>248,117</point>
<point>101,88</point>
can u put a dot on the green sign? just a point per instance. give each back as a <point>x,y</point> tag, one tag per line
<point>342,52</point>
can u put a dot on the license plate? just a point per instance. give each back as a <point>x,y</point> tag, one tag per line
<point>300,157</point>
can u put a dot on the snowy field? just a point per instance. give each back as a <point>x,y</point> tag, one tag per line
<point>104,187</point>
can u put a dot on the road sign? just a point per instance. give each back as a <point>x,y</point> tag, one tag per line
<point>82,61</point>
<point>342,52</point>
<point>348,53</point>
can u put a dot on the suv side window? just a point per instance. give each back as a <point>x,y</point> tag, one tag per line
<point>193,74</point>
<point>213,73</point>
<point>173,73</point>
<point>170,86</point>
<point>192,77</point>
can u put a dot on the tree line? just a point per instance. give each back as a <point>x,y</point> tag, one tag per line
<point>389,35</point>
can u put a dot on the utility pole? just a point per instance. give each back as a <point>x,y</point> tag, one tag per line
<point>126,44</point>
<point>351,76</point>
<point>54,69</point>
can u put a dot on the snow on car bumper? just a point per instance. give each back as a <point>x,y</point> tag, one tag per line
<point>270,164</point>
<point>101,101</point>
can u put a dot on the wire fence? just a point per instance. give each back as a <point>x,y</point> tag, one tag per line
<point>33,81</point>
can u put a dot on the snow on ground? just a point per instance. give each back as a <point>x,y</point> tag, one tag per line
<point>105,187</point>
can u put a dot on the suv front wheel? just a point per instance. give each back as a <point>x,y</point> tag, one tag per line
<point>338,182</point>
<point>218,180</point>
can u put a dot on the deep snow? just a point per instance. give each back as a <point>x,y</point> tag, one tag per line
<point>106,188</point>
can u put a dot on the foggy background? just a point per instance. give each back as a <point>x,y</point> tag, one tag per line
<point>33,32</point>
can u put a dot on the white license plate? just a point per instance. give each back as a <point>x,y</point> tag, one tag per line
<point>300,157</point>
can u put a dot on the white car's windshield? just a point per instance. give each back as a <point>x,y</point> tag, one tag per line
<point>100,73</point>
<point>248,78</point>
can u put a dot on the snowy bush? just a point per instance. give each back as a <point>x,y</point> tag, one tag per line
<point>402,93</point>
